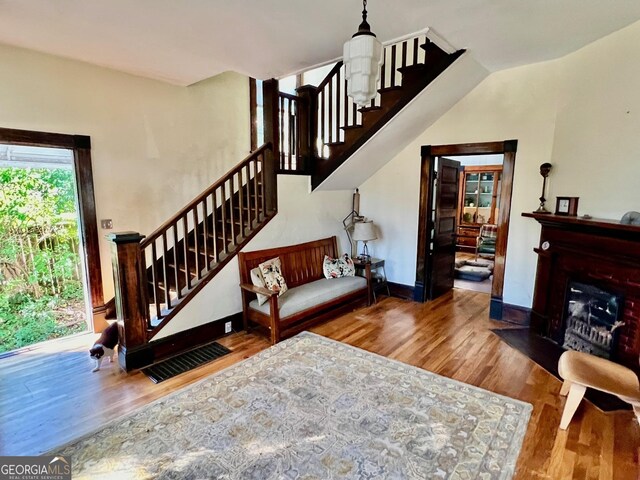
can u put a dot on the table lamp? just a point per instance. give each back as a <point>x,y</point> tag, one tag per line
<point>364,232</point>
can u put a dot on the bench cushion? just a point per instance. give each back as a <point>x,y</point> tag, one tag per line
<point>474,274</point>
<point>309,295</point>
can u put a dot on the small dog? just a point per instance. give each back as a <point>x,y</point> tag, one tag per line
<point>105,345</point>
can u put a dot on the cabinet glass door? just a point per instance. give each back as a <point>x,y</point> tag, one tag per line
<point>471,192</point>
<point>485,197</point>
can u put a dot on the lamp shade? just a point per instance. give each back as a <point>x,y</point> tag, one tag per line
<point>362,56</point>
<point>364,231</point>
<point>362,60</point>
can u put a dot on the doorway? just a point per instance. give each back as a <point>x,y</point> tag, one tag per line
<point>78,158</point>
<point>42,286</point>
<point>487,200</point>
<point>477,213</point>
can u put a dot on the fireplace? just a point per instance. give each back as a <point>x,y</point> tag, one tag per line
<point>587,288</point>
<point>591,319</point>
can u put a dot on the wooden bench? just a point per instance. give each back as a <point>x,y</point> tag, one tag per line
<point>301,267</point>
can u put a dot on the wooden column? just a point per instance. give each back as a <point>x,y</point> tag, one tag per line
<point>89,230</point>
<point>270,100</point>
<point>308,126</point>
<point>132,303</point>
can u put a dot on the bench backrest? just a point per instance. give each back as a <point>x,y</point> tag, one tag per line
<point>301,263</point>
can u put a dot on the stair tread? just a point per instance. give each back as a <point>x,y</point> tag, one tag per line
<point>390,89</point>
<point>369,109</point>
<point>333,144</point>
<point>351,127</point>
<point>414,68</point>
<point>429,45</point>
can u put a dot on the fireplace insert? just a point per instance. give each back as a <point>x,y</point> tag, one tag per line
<point>591,319</point>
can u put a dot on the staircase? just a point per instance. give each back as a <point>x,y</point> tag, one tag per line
<point>187,251</point>
<point>321,127</point>
<point>156,276</point>
<point>311,133</point>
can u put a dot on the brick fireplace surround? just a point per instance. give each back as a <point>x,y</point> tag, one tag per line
<point>597,252</point>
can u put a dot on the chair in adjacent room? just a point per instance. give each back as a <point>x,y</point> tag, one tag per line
<point>486,243</point>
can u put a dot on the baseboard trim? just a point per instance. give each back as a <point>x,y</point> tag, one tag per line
<point>400,290</point>
<point>163,348</point>
<point>505,312</point>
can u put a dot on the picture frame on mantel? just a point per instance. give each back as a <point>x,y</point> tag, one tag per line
<point>567,206</point>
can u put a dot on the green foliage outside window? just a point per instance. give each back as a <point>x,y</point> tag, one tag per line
<point>41,294</point>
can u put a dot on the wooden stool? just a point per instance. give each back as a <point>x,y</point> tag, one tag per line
<point>581,370</point>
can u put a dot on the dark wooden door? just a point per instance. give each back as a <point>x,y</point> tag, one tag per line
<point>442,247</point>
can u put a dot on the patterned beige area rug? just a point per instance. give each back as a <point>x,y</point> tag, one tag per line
<point>312,408</point>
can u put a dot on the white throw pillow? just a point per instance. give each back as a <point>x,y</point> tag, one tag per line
<point>272,274</point>
<point>338,267</point>
<point>258,281</point>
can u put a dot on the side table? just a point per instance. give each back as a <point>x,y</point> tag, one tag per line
<point>373,270</point>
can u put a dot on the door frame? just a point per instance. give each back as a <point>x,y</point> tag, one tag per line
<point>429,153</point>
<point>81,147</point>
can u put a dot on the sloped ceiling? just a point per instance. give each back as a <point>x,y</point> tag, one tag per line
<point>183,42</point>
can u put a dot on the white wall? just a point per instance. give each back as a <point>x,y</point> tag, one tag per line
<point>596,152</point>
<point>154,146</point>
<point>479,160</point>
<point>580,112</point>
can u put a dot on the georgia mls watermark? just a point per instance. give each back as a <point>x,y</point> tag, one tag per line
<point>35,468</point>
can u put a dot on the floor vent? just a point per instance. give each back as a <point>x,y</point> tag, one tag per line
<point>185,362</point>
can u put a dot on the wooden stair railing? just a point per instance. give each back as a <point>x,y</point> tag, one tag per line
<point>202,237</point>
<point>294,116</point>
<point>341,128</point>
<point>157,275</point>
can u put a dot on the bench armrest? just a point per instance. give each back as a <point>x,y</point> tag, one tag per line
<point>261,290</point>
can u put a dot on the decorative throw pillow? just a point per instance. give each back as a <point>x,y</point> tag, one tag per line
<point>258,281</point>
<point>272,274</point>
<point>338,267</point>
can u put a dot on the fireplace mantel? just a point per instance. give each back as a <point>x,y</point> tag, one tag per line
<point>599,226</point>
<point>600,252</point>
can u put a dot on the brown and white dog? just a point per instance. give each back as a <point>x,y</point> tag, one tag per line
<point>105,345</point>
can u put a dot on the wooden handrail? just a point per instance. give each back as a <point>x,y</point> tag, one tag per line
<point>330,75</point>
<point>289,96</point>
<point>200,198</point>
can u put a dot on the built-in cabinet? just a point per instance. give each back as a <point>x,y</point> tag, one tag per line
<point>479,202</point>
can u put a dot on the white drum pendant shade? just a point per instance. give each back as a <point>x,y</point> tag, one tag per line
<point>362,60</point>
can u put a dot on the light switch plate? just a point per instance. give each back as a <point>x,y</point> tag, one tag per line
<point>106,224</point>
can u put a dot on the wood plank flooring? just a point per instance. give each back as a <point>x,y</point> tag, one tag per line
<point>50,397</point>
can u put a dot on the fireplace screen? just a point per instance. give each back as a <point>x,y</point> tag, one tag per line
<point>591,320</point>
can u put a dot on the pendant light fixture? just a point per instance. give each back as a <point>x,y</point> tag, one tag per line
<point>362,60</point>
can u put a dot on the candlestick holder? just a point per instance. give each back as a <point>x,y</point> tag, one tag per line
<point>545,169</point>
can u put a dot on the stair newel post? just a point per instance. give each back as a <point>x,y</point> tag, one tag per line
<point>131,296</point>
<point>307,126</point>
<point>271,108</point>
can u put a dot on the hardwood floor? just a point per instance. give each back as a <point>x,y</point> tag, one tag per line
<point>50,397</point>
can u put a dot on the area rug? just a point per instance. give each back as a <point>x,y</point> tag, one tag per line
<point>312,408</point>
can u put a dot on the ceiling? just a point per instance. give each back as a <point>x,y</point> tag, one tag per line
<point>183,42</point>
